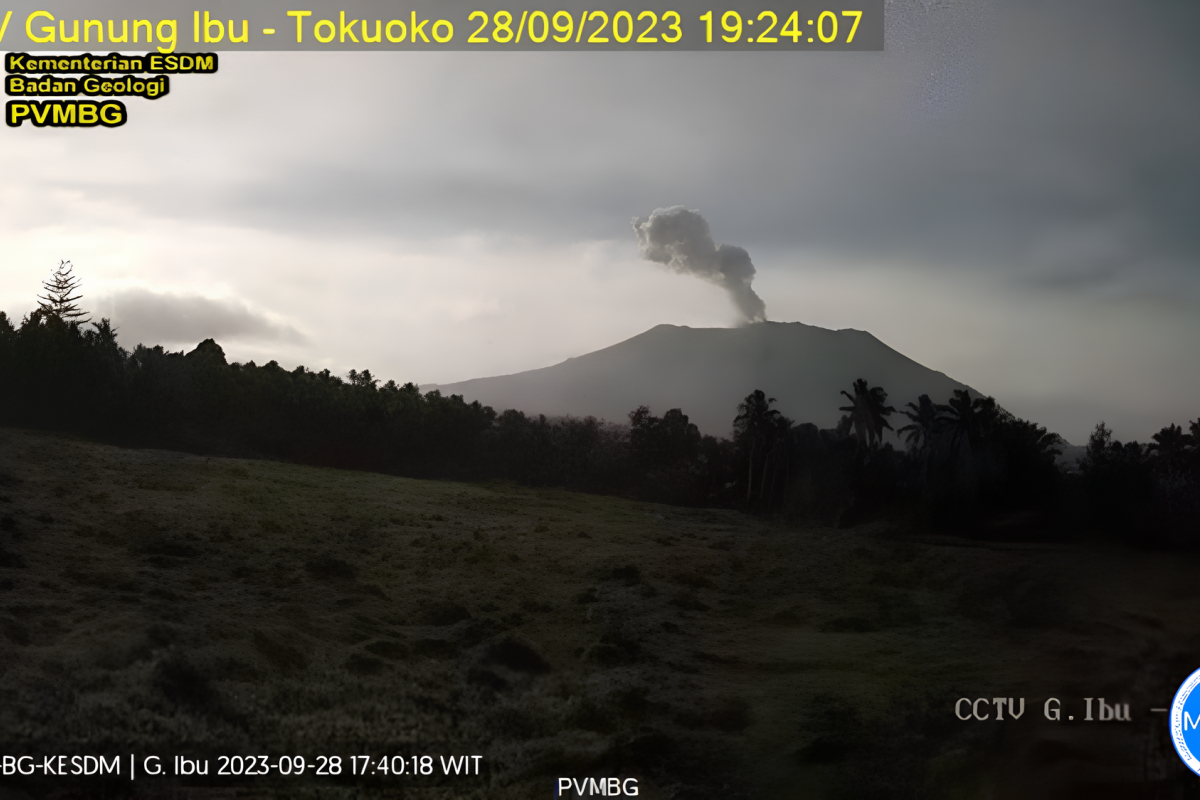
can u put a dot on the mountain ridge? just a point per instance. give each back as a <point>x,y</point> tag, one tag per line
<point>708,371</point>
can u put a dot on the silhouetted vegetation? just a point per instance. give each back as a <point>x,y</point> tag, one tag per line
<point>1144,494</point>
<point>59,298</point>
<point>969,466</point>
<point>761,434</point>
<point>867,413</point>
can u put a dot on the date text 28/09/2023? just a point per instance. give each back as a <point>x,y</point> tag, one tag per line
<point>678,25</point>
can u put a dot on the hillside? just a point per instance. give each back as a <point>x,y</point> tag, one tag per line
<point>708,371</point>
<point>153,602</point>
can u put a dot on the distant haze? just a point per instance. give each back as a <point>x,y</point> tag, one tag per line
<point>708,371</point>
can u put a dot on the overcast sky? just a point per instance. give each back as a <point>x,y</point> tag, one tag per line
<point>1007,194</point>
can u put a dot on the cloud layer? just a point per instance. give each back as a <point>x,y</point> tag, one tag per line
<point>146,317</point>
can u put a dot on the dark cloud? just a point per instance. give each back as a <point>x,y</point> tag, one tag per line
<point>679,239</point>
<point>985,129</point>
<point>150,318</point>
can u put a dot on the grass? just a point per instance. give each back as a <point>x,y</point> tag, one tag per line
<point>157,602</point>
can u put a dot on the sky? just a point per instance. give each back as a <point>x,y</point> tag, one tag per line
<point>1008,193</point>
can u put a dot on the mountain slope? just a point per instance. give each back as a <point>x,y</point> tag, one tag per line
<point>708,371</point>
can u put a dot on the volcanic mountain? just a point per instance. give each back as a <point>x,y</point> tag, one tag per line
<point>708,371</point>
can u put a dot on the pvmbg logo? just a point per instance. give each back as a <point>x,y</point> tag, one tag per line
<point>1185,722</point>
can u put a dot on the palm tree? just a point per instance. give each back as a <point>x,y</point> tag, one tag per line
<point>970,419</point>
<point>867,413</point>
<point>1035,437</point>
<point>758,427</point>
<point>927,422</point>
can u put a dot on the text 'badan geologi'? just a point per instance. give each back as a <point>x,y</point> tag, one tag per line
<point>41,82</point>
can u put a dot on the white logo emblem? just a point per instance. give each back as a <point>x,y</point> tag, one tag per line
<point>1185,722</point>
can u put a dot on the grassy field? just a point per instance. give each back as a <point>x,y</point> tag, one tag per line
<point>155,602</point>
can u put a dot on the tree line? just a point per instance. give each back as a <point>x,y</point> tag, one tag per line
<point>965,466</point>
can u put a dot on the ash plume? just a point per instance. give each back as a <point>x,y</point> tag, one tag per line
<point>680,239</point>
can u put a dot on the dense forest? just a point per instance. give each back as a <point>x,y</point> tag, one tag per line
<point>968,466</point>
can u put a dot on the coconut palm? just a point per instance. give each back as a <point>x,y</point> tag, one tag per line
<point>927,422</point>
<point>868,413</point>
<point>758,427</point>
<point>970,419</point>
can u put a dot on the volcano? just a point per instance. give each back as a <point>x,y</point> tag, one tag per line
<point>706,372</point>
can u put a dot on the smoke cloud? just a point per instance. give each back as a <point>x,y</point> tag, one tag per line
<point>680,239</point>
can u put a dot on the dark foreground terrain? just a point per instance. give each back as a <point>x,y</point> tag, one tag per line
<point>157,603</point>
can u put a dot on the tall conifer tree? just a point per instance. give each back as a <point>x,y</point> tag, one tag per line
<point>58,299</point>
